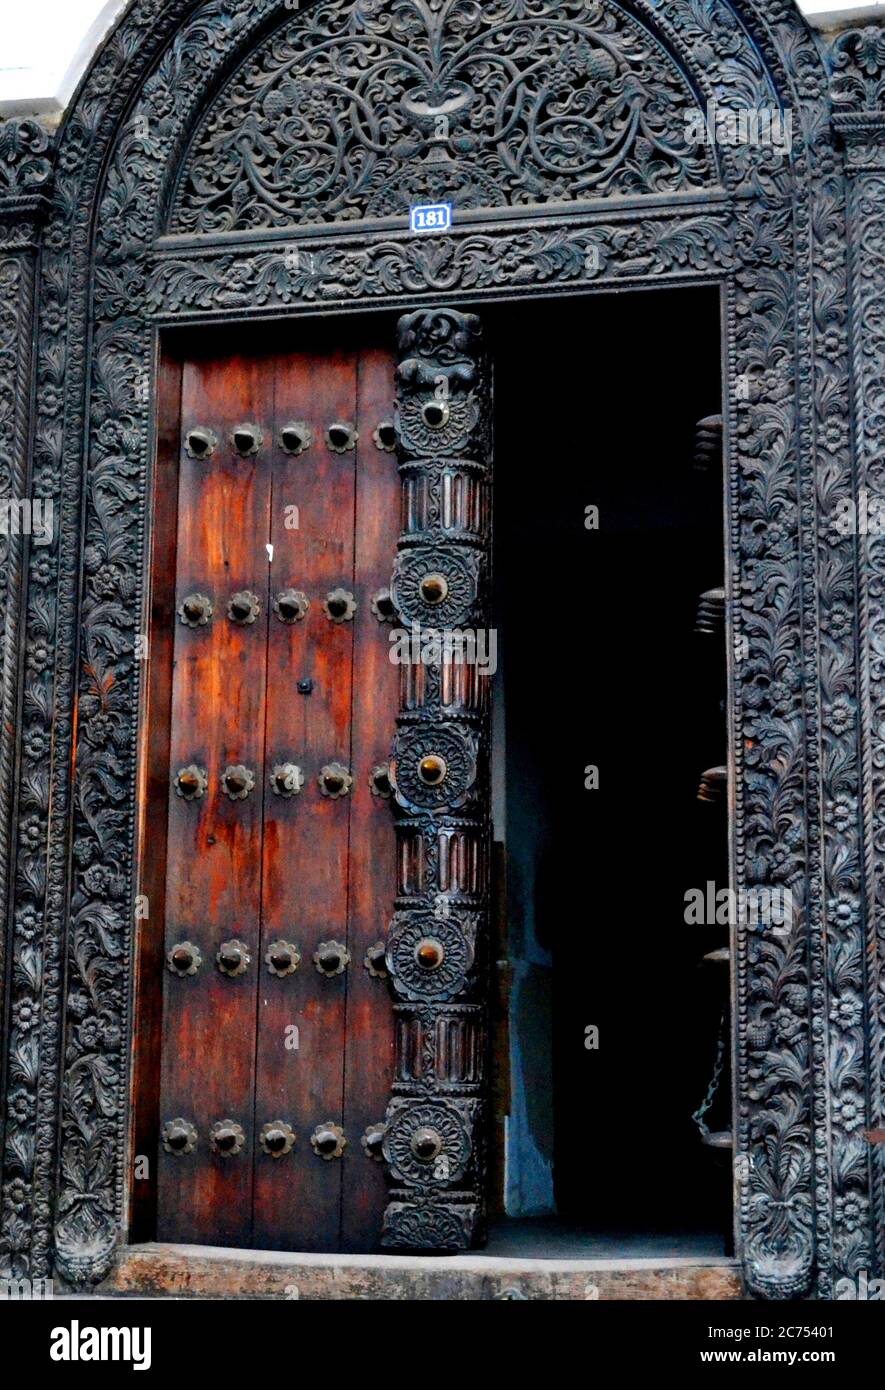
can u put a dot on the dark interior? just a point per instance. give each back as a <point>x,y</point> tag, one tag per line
<point>596,404</point>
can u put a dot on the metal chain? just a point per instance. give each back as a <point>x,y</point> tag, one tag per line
<point>715,1079</point>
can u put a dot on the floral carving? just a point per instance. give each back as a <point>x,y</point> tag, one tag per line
<point>355,110</point>
<point>858,70</point>
<point>25,159</point>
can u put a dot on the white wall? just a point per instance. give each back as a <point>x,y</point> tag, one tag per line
<point>45,45</point>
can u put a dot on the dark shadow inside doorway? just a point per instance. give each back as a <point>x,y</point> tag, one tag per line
<point>601,668</point>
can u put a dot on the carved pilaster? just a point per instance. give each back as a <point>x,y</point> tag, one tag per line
<point>857,91</point>
<point>433,1142</point>
<point>25,173</point>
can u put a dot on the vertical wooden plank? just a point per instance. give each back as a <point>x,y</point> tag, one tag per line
<point>369,1049</point>
<point>214,860</point>
<point>297,1197</point>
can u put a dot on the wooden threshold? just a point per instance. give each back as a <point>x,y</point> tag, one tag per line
<point>209,1272</point>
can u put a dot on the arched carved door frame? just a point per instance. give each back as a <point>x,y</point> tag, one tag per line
<point>89,215</point>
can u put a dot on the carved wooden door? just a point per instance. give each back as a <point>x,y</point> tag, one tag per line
<point>276,1063</point>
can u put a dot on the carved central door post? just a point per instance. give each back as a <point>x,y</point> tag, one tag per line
<point>436,957</point>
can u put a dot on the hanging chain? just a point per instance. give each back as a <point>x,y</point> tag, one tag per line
<point>715,1079</point>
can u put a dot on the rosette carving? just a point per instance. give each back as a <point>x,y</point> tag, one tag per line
<point>436,586</point>
<point>431,1226</point>
<point>433,767</point>
<point>429,957</point>
<point>459,417</point>
<point>428,1143</point>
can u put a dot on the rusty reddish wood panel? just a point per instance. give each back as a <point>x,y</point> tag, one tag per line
<point>305,869</point>
<point>213,890</point>
<point>368,1073</point>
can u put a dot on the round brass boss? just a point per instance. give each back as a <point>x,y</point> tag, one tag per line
<point>432,770</point>
<point>434,588</point>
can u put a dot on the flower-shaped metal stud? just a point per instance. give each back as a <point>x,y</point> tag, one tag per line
<point>282,958</point>
<point>238,782</point>
<point>184,959</point>
<point>379,782</point>
<point>286,780</point>
<point>335,781</point>
<point>243,608</point>
<point>200,443</point>
<point>371,1141</point>
<point>341,438</point>
<point>195,610</point>
<point>179,1137</point>
<point>227,1138</point>
<point>385,437</point>
<point>328,1141</point>
<point>375,961</point>
<point>233,958</point>
<point>291,606</point>
<point>296,437</point>
<point>383,606</point>
<point>277,1139</point>
<point>339,606</point>
<point>191,782</point>
<point>331,958</point>
<point>247,440</point>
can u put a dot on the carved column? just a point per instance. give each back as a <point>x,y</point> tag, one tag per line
<point>857,60</point>
<point>436,954</point>
<point>25,173</point>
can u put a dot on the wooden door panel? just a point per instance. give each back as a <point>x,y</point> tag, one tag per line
<point>298,1197</point>
<point>368,1072</point>
<point>288,869</point>
<point>213,890</point>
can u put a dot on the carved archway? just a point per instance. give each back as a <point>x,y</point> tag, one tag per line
<point>154,221</point>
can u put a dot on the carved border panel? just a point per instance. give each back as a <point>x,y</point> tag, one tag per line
<point>777,243</point>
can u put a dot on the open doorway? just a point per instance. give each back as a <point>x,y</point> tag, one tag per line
<point>610,707</point>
